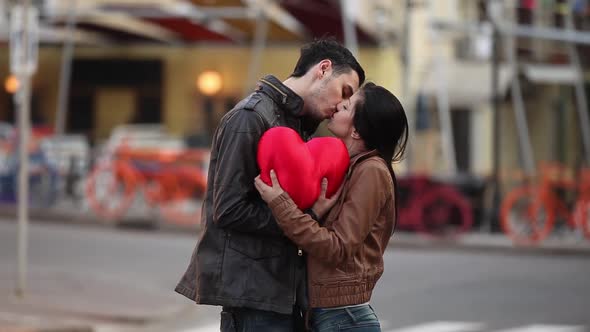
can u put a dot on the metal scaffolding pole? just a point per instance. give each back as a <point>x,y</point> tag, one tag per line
<point>350,38</point>
<point>567,35</point>
<point>406,60</point>
<point>66,70</point>
<point>524,139</point>
<point>493,214</point>
<point>442,95</point>
<point>259,44</point>
<point>525,146</point>
<point>581,99</point>
<point>563,35</point>
<point>443,105</point>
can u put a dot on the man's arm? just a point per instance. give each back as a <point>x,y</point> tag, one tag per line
<point>236,203</point>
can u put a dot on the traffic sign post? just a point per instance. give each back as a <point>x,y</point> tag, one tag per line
<point>24,41</point>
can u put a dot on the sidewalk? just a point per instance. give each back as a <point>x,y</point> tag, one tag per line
<point>60,302</point>
<point>491,243</point>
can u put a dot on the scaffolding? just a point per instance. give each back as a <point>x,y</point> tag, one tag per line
<point>507,32</point>
<point>568,35</point>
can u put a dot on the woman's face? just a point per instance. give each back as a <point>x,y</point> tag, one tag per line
<point>341,123</point>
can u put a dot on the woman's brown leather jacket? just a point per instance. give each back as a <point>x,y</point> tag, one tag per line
<point>345,254</point>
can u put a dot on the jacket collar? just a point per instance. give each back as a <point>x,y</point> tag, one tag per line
<point>281,94</point>
<point>354,160</point>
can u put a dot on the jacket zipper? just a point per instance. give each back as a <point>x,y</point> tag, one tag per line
<point>295,284</point>
<point>284,100</point>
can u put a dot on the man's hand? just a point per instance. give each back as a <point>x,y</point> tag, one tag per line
<point>268,193</point>
<point>324,204</point>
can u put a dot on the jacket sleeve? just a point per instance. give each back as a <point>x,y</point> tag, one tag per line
<point>236,203</point>
<point>361,207</point>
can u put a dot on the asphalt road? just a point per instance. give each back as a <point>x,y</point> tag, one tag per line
<point>421,290</point>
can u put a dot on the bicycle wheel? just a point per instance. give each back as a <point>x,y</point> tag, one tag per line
<point>110,190</point>
<point>444,213</point>
<point>582,217</point>
<point>524,216</point>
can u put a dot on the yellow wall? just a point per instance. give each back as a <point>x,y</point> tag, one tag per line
<point>181,101</point>
<point>114,106</point>
<point>45,82</point>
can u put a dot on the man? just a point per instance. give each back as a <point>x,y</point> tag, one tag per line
<point>243,261</point>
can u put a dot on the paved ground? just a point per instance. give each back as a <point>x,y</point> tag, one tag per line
<point>84,278</point>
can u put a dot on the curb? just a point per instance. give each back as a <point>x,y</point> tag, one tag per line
<point>504,247</point>
<point>11,328</point>
<point>89,220</point>
<point>466,243</point>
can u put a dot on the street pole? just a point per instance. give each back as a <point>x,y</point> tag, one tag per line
<point>23,63</point>
<point>24,119</point>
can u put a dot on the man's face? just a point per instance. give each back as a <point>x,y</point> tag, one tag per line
<point>328,90</point>
<point>342,123</point>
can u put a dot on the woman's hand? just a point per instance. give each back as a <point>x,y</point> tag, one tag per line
<point>268,193</point>
<point>324,204</point>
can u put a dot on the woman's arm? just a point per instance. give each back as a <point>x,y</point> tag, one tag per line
<point>366,193</point>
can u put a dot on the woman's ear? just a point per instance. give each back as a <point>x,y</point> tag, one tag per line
<point>355,134</point>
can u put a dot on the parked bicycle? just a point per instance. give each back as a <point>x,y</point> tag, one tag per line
<point>171,181</point>
<point>433,208</point>
<point>530,212</point>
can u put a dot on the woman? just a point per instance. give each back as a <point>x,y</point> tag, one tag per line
<point>345,236</point>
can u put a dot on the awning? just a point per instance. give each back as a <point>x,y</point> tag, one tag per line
<point>467,83</point>
<point>190,21</point>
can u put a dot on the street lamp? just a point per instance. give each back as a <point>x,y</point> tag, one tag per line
<point>11,84</point>
<point>209,84</point>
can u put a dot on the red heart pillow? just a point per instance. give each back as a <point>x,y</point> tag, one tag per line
<point>301,166</point>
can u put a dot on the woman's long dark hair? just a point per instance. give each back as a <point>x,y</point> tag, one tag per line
<point>381,121</point>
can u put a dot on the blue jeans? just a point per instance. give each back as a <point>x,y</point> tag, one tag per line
<point>252,320</point>
<point>361,319</point>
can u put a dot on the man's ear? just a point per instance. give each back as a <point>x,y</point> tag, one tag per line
<point>325,67</point>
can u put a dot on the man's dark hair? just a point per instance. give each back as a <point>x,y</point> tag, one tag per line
<point>327,48</point>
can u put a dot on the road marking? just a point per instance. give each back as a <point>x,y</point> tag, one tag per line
<point>442,327</point>
<point>546,328</point>
<point>207,328</point>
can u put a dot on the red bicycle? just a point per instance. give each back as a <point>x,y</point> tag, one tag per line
<point>433,208</point>
<point>530,212</point>
<point>172,181</point>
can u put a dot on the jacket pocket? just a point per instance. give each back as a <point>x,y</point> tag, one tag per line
<point>256,247</point>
